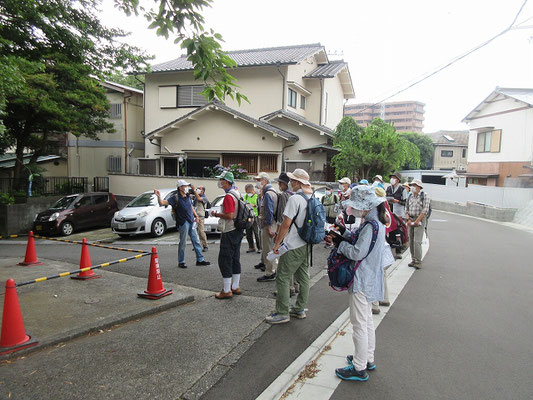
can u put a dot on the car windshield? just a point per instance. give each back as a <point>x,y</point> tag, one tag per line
<point>144,200</point>
<point>63,203</point>
<point>217,202</point>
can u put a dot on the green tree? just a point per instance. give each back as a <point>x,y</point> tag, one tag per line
<point>347,162</point>
<point>376,149</point>
<point>425,147</point>
<point>51,48</point>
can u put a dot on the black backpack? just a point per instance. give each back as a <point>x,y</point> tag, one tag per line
<point>423,195</point>
<point>244,218</point>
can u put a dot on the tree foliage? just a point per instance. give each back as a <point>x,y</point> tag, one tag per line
<point>50,49</point>
<point>376,149</point>
<point>425,147</point>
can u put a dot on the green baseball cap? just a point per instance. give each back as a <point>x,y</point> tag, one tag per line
<point>227,175</point>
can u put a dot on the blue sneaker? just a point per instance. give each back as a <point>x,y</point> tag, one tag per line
<point>370,366</point>
<point>349,373</point>
<point>297,314</point>
<point>276,318</point>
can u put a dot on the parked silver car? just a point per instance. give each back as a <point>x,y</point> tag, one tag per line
<point>211,223</point>
<point>144,215</point>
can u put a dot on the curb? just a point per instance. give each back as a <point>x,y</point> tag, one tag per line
<point>101,325</point>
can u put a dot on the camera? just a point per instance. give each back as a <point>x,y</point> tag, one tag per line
<point>191,191</point>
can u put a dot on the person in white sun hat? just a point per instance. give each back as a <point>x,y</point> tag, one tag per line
<point>369,251</point>
<point>296,260</point>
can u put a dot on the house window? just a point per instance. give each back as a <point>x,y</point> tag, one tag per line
<point>464,153</point>
<point>306,165</point>
<point>115,110</point>
<point>302,102</point>
<point>170,166</point>
<point>147,167</point>
<point>446,153</point>
<point>268,162</point>
<point>292,98</point>
<point>249,162</point>
<point>114,164</point>
<point>190,96</point>
<point>489,141</point>
<point>167,96</point>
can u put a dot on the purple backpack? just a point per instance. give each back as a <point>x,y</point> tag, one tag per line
<point>340,271</point>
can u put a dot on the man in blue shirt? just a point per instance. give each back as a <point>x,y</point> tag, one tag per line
<point>186,217</point>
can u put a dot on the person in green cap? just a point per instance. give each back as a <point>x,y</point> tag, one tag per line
<point>251,198</point>
<point>229,256</point>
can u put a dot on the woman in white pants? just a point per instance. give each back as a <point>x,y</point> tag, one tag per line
<point>368,284</point>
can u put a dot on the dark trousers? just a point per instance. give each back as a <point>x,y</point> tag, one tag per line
<point>251,233</point>
<point>229,257</point>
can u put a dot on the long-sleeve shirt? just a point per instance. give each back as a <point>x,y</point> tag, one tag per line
<point>368,278</point>
<point>267,206</point>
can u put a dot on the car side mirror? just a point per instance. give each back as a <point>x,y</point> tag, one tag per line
<point>77,205</point>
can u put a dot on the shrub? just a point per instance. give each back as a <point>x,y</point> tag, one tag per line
<point>6,198</point>
<point>238,171</point>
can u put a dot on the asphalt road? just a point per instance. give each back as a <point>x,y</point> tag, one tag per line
<point>462,326</point>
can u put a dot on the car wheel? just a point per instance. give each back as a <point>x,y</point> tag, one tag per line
<point>67,228</point>
<point>158,227</point>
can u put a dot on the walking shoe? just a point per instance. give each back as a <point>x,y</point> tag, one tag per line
<point>349,373</point>
<point>204,262</point>
<point>411,264</point>
<point>182,265</point>
<point>224,295</point>
<point>237,291</point>
<point>267,278</point>
<point>417,265</point>
<point>259,251</point>
<point>276,318</point>
<point>297,314</point>
<point>205,248</point>
<point>250,251</point>
<point>370,366</point>
<point>375,310</point>
<point>384,303</point>
<point>260,266</point>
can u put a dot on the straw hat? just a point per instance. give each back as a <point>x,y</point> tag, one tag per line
<point>299,175</point>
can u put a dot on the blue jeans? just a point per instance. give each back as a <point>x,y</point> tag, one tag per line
<point>183,230</point>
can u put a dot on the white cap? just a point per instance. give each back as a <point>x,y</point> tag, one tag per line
<point>262,175</point>
<point>345,180</point>
<point>181,182</point>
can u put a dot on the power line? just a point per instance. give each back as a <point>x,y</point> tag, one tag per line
<point>451,62</point>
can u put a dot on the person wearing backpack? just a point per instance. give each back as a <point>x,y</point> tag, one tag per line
<point>229,256</point>
<point>267,223</point>
<point>296,260</point>
<point>368,252</point>
<point>417,209</point>
<point>330,202</point>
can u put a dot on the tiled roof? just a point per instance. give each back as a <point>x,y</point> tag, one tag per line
<point>459,138</point>
<point>327,70</point>
<point>252,57</point>
<point>323,146</point>
<point>123,88</point>
<point>298,118</point>
<point>264,125</point>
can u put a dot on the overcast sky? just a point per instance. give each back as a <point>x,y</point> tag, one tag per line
<point>387,43</point>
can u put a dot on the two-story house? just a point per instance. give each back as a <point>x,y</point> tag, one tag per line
<point>113,152</point>
<point>450,150</point>
<point>296,100</point>
<point>500,148</point>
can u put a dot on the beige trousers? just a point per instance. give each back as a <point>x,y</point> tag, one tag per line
<point>267,243</point>
<point>201,232</point>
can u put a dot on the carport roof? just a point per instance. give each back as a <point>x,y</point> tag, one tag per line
<point>216,105</point>
<point>299,119</point>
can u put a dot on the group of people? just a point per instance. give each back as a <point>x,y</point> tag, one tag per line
<point>362,211</point>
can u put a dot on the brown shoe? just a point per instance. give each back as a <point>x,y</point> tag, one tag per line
<point>237,291</point>
<point>224,295</point>
<point>417,265</point>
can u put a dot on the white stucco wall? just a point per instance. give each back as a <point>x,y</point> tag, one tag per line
<point>335,105</point>
<point>516,137</point>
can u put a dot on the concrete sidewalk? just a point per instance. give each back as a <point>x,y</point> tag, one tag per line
<point>62,309</point>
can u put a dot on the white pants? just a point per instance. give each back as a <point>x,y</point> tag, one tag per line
<point>364,337</point>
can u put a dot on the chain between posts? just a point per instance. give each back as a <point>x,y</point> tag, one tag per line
<point>63,274</point>
<point>89,244</point>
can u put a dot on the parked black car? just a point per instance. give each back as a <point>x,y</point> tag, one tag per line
<point>75,212</point>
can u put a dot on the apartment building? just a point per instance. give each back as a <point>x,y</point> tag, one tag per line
<point>406,116</point>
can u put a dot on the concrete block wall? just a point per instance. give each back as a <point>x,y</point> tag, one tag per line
<point>18,218</point>
<point>476,210</point>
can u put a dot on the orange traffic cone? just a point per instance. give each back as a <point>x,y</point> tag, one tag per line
<point>85,262</point>
<point>14,337</point>
<point>155,288</point>
<point>31,255</point>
